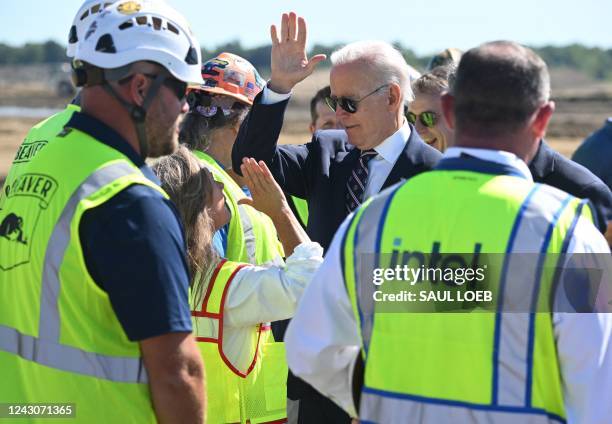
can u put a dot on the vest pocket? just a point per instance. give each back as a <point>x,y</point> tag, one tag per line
<point>275,376</point>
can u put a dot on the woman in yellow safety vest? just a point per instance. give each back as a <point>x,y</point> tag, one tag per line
<point>233,303</point>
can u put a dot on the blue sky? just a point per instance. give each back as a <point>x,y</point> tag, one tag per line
<point>425,26</point>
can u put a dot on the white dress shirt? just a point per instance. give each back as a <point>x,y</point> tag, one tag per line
<point>323,340</point>
<point>264,294</point>
<point>388,151</point>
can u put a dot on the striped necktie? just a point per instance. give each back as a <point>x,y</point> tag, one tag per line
<point>357,180</point>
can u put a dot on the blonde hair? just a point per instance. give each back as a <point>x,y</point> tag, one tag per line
<point>190,187</point>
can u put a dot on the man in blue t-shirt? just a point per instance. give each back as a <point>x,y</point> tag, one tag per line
<point>134,82</point>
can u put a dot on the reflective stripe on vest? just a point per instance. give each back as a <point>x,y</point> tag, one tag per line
<point>253,391</point>
<point>208,320</point>
<point>46,349</point>
<point>511,385</point>
<point>378,406</point>
<point>250,243</point>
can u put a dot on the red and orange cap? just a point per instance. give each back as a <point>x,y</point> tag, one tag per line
<point>231,75</point>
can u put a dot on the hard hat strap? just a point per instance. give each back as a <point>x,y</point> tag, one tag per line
<point>139,113</point>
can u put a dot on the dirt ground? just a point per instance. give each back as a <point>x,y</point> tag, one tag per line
<point>12,131</point>
<point>582,105</point>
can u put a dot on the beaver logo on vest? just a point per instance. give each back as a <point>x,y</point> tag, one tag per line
<point>11,228</point>
<point>28,196</point>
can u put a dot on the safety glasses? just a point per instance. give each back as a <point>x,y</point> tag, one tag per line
<point>428,119</point>
<point>179,88</point>
<point>346,103</point>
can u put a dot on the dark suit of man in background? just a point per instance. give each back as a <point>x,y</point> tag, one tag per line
<point>550,167</point>
<point>339,169</point>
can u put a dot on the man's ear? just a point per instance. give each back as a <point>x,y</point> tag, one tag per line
<point>395,96</point>
<point>448,109</point>
<point>138,86</point>
<point>542,118</point>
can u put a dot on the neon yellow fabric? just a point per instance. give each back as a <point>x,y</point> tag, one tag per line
<point>267,246</point>
<point>36,139</point>
<point>85,322</point>
<point>301,206</point>
<point>433,355</point>
<point>252,392</point>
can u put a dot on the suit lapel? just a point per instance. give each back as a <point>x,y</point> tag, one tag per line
<point>344,166</point>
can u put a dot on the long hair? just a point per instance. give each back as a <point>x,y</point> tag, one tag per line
<point>196,130</point>
<point>190,188</point>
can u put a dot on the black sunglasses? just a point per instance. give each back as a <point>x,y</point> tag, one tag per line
<point>179,88</point>
<point>428,119</point>
<point>348,104</point>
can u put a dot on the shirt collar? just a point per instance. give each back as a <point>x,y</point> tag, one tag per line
<point>393,146</point>
<point>107,135</point>
<point>497,156</point>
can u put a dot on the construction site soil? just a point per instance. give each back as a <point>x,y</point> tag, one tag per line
<point>582,105</point>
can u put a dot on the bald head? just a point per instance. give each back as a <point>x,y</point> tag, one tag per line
<point>498,86</point>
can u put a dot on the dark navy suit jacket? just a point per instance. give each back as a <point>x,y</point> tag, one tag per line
<point>550,167</point>
<point>318,171</point>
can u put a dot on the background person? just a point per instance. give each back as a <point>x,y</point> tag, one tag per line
<point>246,372</point>
<point>547,166</point>
<point>40,134</point>
<point>595,153</point>
<point>551,167</point>
<point>505,367</point>
<point>425,111</point>
<point>321,116</point>
<point>98,233</point>
<point>450,56</point>
<point>216,109</point>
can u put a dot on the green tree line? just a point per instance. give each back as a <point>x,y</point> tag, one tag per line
<point>595,62</point>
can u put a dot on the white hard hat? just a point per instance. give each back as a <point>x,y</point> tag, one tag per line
<point>88,10</point>
<point>142,30</point>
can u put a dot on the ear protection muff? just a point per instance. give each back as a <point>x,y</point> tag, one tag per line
<point>85,74</point>
<point>79,77</point>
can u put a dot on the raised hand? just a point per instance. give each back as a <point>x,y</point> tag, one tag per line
<point>289,63</point>
<point>270,199</point>
<point>267,196</point>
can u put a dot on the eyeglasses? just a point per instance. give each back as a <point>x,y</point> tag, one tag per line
<point>179,88</point>
<point>348,104</point>
<point>428,119</point>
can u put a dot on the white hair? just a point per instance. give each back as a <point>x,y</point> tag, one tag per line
<point>387,63</point>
